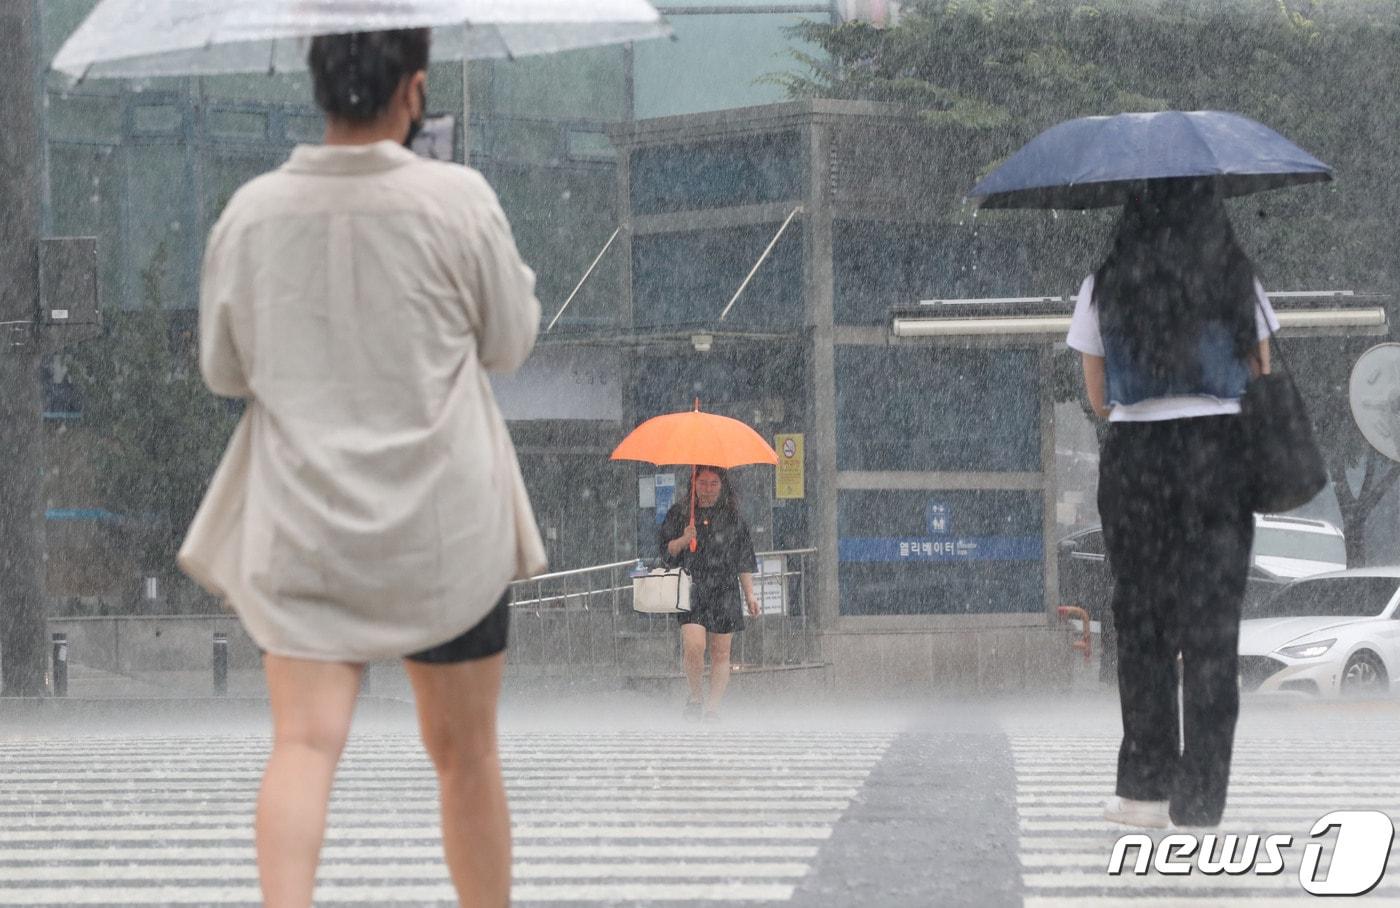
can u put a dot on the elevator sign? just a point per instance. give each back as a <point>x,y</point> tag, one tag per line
<point>939,520</point>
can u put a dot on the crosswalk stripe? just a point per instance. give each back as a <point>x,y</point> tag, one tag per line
<point>433,870</point>
<point>235,794</point>
<point>102,852</point>
<point>344,809</point>
<point>1061,861</point>
<point>631,851</point>
<point>426,775</point>
<point>559,831</point>
<point>1171,901</point>
<point>1105,782</point>
<point>632,818</point>
<point>38,897</point>
<point>1032,796</point>
<point>1238,813</point>
<point>823,788</point>
<point>1047,843</point>
<point>182,822</point>
<point>1276,786</point>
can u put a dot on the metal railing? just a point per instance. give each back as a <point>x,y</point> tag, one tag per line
<point>580,623</point>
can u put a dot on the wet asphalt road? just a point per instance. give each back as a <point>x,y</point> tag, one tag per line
<point>909,804</point>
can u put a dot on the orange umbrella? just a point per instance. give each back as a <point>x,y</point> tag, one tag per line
<point>693,437</point>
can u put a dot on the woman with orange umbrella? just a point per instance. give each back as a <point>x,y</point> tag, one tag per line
<point>705,534</point>
<point>720,566</point>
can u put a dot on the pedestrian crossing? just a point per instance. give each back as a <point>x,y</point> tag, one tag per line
<point>637,818</point>
<point>1277,786</point>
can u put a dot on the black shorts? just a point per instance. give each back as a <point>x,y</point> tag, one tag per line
<point>717,610</point>
<point>484,639</point>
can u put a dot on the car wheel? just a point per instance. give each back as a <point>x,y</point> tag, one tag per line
<point>1364,674</point>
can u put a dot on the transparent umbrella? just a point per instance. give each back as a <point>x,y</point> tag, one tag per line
<point>131,39</point>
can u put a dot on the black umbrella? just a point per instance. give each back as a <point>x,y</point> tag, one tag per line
<point>1096,162</point>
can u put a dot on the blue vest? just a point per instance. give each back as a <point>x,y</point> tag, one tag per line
<point>1223,376</point>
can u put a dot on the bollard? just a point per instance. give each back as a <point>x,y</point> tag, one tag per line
<point>220,665</point>
<point>60,665</point>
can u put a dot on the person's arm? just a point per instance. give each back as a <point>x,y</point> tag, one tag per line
<point>1085,337</point>
<point>681,542</point>
<point>1095,384</point>
<point>220,361</point>
<point>503,289</point>
<point>1265,322</point>
<point>1259,365</point>
<point>674,535</point>
<point>746,582</point>
<point>745,560</point>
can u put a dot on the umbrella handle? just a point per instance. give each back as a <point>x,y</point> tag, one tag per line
<point>693,543</point>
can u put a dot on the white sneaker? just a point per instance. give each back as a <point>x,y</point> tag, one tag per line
<point>1150,814</point>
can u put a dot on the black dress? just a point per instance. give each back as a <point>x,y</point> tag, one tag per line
<point>723,551</point>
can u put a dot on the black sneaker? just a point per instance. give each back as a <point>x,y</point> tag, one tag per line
<point>691,711</point>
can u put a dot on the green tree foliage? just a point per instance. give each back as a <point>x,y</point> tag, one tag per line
<point>159,432</point>
<point>988,75</point>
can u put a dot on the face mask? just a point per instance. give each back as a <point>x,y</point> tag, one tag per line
<point>415,126</point>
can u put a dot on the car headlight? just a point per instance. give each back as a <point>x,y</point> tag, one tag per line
<point>1307,650</point>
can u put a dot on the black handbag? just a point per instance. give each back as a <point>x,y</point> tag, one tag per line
<point>1284,462</point>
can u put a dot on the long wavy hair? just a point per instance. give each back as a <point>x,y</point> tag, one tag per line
<point>1175,265</point>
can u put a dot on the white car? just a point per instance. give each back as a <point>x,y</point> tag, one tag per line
<point>1329,635</point>
<point>1292,547</point>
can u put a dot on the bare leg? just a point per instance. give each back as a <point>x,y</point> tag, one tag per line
<point>719,669</point>
<point>457,718</point>
<point>693,648</point>
<point>312,703</point>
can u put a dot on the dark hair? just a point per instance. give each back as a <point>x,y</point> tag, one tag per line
<point>728,501</point>
<point>356,75</point>
<point>1175,265</point>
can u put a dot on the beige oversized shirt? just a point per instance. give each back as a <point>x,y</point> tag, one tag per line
<point>369,504</point>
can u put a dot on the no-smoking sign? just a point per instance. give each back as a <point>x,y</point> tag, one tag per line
<point>790,465</point>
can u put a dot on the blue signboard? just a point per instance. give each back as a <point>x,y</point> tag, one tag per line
<point>966,548</point>
<point>665,495</point>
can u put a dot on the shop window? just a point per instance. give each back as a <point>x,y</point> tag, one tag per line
<point>746,171</point>
<point>934,408</point>
<point>688,278</point>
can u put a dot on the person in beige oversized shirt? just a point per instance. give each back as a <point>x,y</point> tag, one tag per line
<point>370,504</point>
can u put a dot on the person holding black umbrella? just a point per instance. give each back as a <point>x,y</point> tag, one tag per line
<point>1170,328</point>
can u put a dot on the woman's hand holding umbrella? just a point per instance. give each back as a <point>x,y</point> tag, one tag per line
<point>685,540</point>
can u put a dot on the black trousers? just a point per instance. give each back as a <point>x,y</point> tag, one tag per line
<point>1178,534</point>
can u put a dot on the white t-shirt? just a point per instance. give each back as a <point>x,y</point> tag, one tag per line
<point>1084,336</point>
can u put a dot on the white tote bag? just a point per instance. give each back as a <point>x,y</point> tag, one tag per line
<point>662,592</point>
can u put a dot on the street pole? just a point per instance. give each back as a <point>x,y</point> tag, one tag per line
<point>23,638</point>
